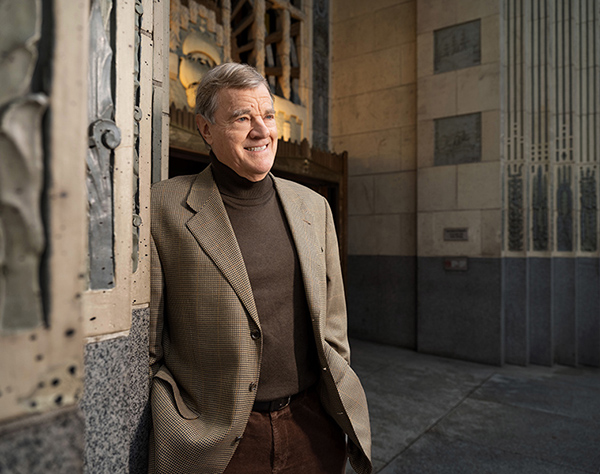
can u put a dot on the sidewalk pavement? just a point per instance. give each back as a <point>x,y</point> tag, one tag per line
<point>435,415</point>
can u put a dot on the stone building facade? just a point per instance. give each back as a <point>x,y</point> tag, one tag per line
<point>471,131</point>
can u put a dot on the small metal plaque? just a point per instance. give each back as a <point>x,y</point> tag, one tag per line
<point>457,47</point>
<point>457,140</point>
<point>456,264</point>
<point>456,234</point>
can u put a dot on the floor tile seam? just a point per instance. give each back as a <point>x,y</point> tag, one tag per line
<point>553,379</point>
<point>438,421</point>
<point>546,412</point>
<point>516,453</point>
<point>372,373</point>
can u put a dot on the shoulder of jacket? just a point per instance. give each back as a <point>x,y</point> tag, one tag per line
<point>300,189</point>
<point>172,184</point>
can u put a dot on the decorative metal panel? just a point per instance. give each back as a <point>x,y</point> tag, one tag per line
<point>137,117</point>
<point>104,138</point>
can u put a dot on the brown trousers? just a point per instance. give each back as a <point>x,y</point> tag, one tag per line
<point>301,438</point>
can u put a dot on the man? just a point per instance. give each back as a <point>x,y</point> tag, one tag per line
<point>248,343</point>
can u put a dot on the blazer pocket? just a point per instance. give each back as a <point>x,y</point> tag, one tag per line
<point>183,409</point>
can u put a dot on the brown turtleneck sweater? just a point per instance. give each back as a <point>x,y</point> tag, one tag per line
<point>289,361</point>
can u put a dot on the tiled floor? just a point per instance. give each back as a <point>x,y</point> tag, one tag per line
<point>435,415</point>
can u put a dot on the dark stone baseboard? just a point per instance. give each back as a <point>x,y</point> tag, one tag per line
<point>381,294</point>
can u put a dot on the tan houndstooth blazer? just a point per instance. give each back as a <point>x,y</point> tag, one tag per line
<point>203,358</point>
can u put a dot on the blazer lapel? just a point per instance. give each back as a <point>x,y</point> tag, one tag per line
<point>212,229</point>
<point>310,250</point>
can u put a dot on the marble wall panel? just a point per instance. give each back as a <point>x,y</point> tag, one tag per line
<point>478,88</point>
<point>490,136</point>
<point>436,189</point>
<point>425,54</point>
<point>345,9</point>
<point>382,151</point>
<point>426,143</point>
<point>395,192</point>
<point>478,186</point>
<point>491,233</point>
<point>435,14</point>
<point>437,96</point>
<point>373,111</point>
<point>384,234</point>
<point>490,38</point>
<point>353,37</point>
<point>351,76</point>
<point>395,25</point>
<point>430,233</point>
<point>361,198</point>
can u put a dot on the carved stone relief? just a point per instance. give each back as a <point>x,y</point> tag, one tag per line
<point>457,47</point>
<point>589,210</point>
<point>515,207</point>
<point>539,204</point>
<point>458,140</point>
<point>105,136</point>
<point>22,240</point>
<point>564,210</point>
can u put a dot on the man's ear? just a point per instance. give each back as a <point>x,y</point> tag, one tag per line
<point>204,128</point>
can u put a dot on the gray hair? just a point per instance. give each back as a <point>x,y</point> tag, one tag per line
<point>225,76</point>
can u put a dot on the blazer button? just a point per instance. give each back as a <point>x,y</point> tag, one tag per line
<point>238,439</point>
<point>255,334</point>
<point>252,387</point>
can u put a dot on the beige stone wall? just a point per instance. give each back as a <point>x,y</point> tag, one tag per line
<point>374,118</point>
<point>463,195</point>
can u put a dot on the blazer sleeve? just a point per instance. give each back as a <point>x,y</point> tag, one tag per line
<point>157,296</point>
<point>336,329</point>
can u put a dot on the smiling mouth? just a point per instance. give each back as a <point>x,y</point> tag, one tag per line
<point>257,148</point>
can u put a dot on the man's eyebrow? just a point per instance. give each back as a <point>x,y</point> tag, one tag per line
<point>238,113</point>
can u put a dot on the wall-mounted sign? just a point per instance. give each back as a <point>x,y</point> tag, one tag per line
<point>456,264</point>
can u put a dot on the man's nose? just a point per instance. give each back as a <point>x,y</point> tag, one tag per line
<point>259,129</point>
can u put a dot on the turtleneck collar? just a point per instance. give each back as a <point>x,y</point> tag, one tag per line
<point>233,185</point>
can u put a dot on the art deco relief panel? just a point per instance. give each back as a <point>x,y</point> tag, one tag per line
<point>552,106</point>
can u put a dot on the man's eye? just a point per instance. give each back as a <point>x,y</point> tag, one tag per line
<point>242,119</point>
<point>270,117</point>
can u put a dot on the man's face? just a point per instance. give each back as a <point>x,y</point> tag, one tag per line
<point>244,135</point>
